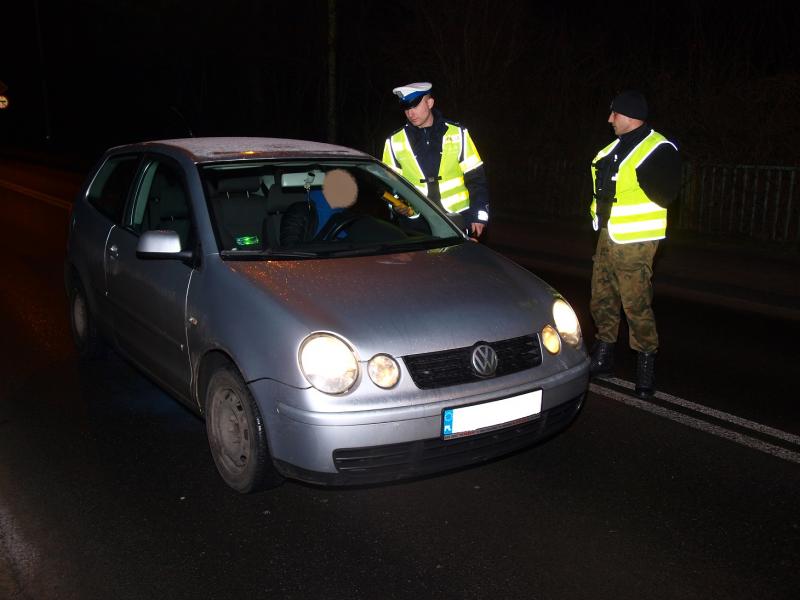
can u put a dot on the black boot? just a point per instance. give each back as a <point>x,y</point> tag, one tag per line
<point>645,374</point>
<point>602,359</point>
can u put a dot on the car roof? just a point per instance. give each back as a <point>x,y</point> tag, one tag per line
<point>212,149</point>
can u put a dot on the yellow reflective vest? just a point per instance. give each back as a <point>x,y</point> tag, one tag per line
<point>634,217</point>
<point>459,156</point>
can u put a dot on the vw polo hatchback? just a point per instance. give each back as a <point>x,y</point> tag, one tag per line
<point>328,322</point>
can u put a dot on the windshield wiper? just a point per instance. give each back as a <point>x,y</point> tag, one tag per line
<point>266,254</point>
<point>391,248</point>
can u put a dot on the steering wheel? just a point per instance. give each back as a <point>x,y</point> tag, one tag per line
<point>337,224</point>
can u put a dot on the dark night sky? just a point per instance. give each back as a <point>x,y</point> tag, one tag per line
<point>527,80</point>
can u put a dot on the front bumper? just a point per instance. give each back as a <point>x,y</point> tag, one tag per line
<point>376,464</point>
<point>364,447</point>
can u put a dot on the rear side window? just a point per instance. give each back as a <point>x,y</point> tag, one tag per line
<point>109,190</point>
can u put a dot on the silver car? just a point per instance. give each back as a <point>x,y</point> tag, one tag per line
<point>329,322</point>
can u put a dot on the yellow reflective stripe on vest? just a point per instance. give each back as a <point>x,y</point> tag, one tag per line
<point>637,209</point>
<point>640,235</point>
<point>471,162</point>
<point>454,194</point>
<point>457,202</point>
<point>472,159</point>
<point>649,152</point>
<point>634,226</point>
<point>409,167</point>
<point>446,186</point>
<point>593,207</point>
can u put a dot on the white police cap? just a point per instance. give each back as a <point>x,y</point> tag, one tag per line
<point>411,94</point>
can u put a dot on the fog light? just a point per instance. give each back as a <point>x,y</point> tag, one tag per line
<point>383,370</point>
<point>551,340</point>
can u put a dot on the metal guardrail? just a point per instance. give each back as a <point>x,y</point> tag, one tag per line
<point>739,201</point>
<point>758,202</point>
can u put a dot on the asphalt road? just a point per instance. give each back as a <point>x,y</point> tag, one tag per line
<point>108,490</point>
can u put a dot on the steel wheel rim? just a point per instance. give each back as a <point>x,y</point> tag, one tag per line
<point>231,430</point>
<point>79,317</point>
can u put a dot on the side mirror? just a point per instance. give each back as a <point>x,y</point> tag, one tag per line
<point>161,245</point>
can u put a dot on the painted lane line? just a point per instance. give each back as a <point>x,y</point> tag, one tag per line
<point>733,436</point>
<point>717,414</point>
<point>47,198</point>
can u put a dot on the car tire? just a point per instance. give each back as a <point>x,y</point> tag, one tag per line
<point>88,342</point>
<point>237,434</point>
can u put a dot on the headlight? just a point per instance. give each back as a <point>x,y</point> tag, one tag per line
<point>383,370</point>
<point>328,363</point>
<point>566,322</point>
<point>551,340</point>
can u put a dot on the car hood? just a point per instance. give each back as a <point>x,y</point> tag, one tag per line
<point>405,303</point>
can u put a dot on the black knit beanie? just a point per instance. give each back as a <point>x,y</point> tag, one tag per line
<point>631,104</point>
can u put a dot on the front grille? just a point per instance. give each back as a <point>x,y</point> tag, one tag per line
<point>395,461</point>
<point>453,367</point>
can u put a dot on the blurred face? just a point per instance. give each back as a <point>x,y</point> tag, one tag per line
<point>622,124</point>
<point>421,115</point>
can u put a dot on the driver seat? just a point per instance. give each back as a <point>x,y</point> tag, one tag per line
<point>299,223</point>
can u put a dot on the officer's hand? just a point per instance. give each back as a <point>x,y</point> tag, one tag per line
<point>476,229</point>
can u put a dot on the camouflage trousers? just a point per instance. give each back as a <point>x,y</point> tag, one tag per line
<point>621,278</point>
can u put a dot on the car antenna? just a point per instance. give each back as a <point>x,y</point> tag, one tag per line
<point>185,122</point>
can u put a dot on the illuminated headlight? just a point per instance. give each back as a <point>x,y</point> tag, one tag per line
<point>566,322</point>
<point>383,370</point>
<point>551,340</point>
<point>328,363</point>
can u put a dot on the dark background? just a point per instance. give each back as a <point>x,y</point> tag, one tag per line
<point>528,79</point>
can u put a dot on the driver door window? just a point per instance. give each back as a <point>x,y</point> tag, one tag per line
<point>161,202</point>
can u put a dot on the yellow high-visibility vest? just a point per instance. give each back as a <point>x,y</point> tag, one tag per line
<point>459,156</point>
<point>634,217</point>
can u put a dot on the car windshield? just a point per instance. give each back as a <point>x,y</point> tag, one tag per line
<point>317,209</point>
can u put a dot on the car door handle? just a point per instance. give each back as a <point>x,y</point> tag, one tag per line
<point>113,251</point>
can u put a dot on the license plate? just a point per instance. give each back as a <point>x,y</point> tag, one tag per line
<point>477,418</point>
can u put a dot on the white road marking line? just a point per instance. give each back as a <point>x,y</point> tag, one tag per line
<point>718,414</point>
<point>739,438</point>
<point>47,198</point>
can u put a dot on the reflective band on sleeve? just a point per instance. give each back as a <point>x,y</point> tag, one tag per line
<point>483,215</point>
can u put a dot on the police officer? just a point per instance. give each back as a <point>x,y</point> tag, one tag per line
<point>439,157</point>
<point>635,178</point>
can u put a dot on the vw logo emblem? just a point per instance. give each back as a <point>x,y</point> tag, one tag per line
<point>484,360</point>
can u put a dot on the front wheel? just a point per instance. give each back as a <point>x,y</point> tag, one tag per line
<point>237,434</point>
<point>85,336</point>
